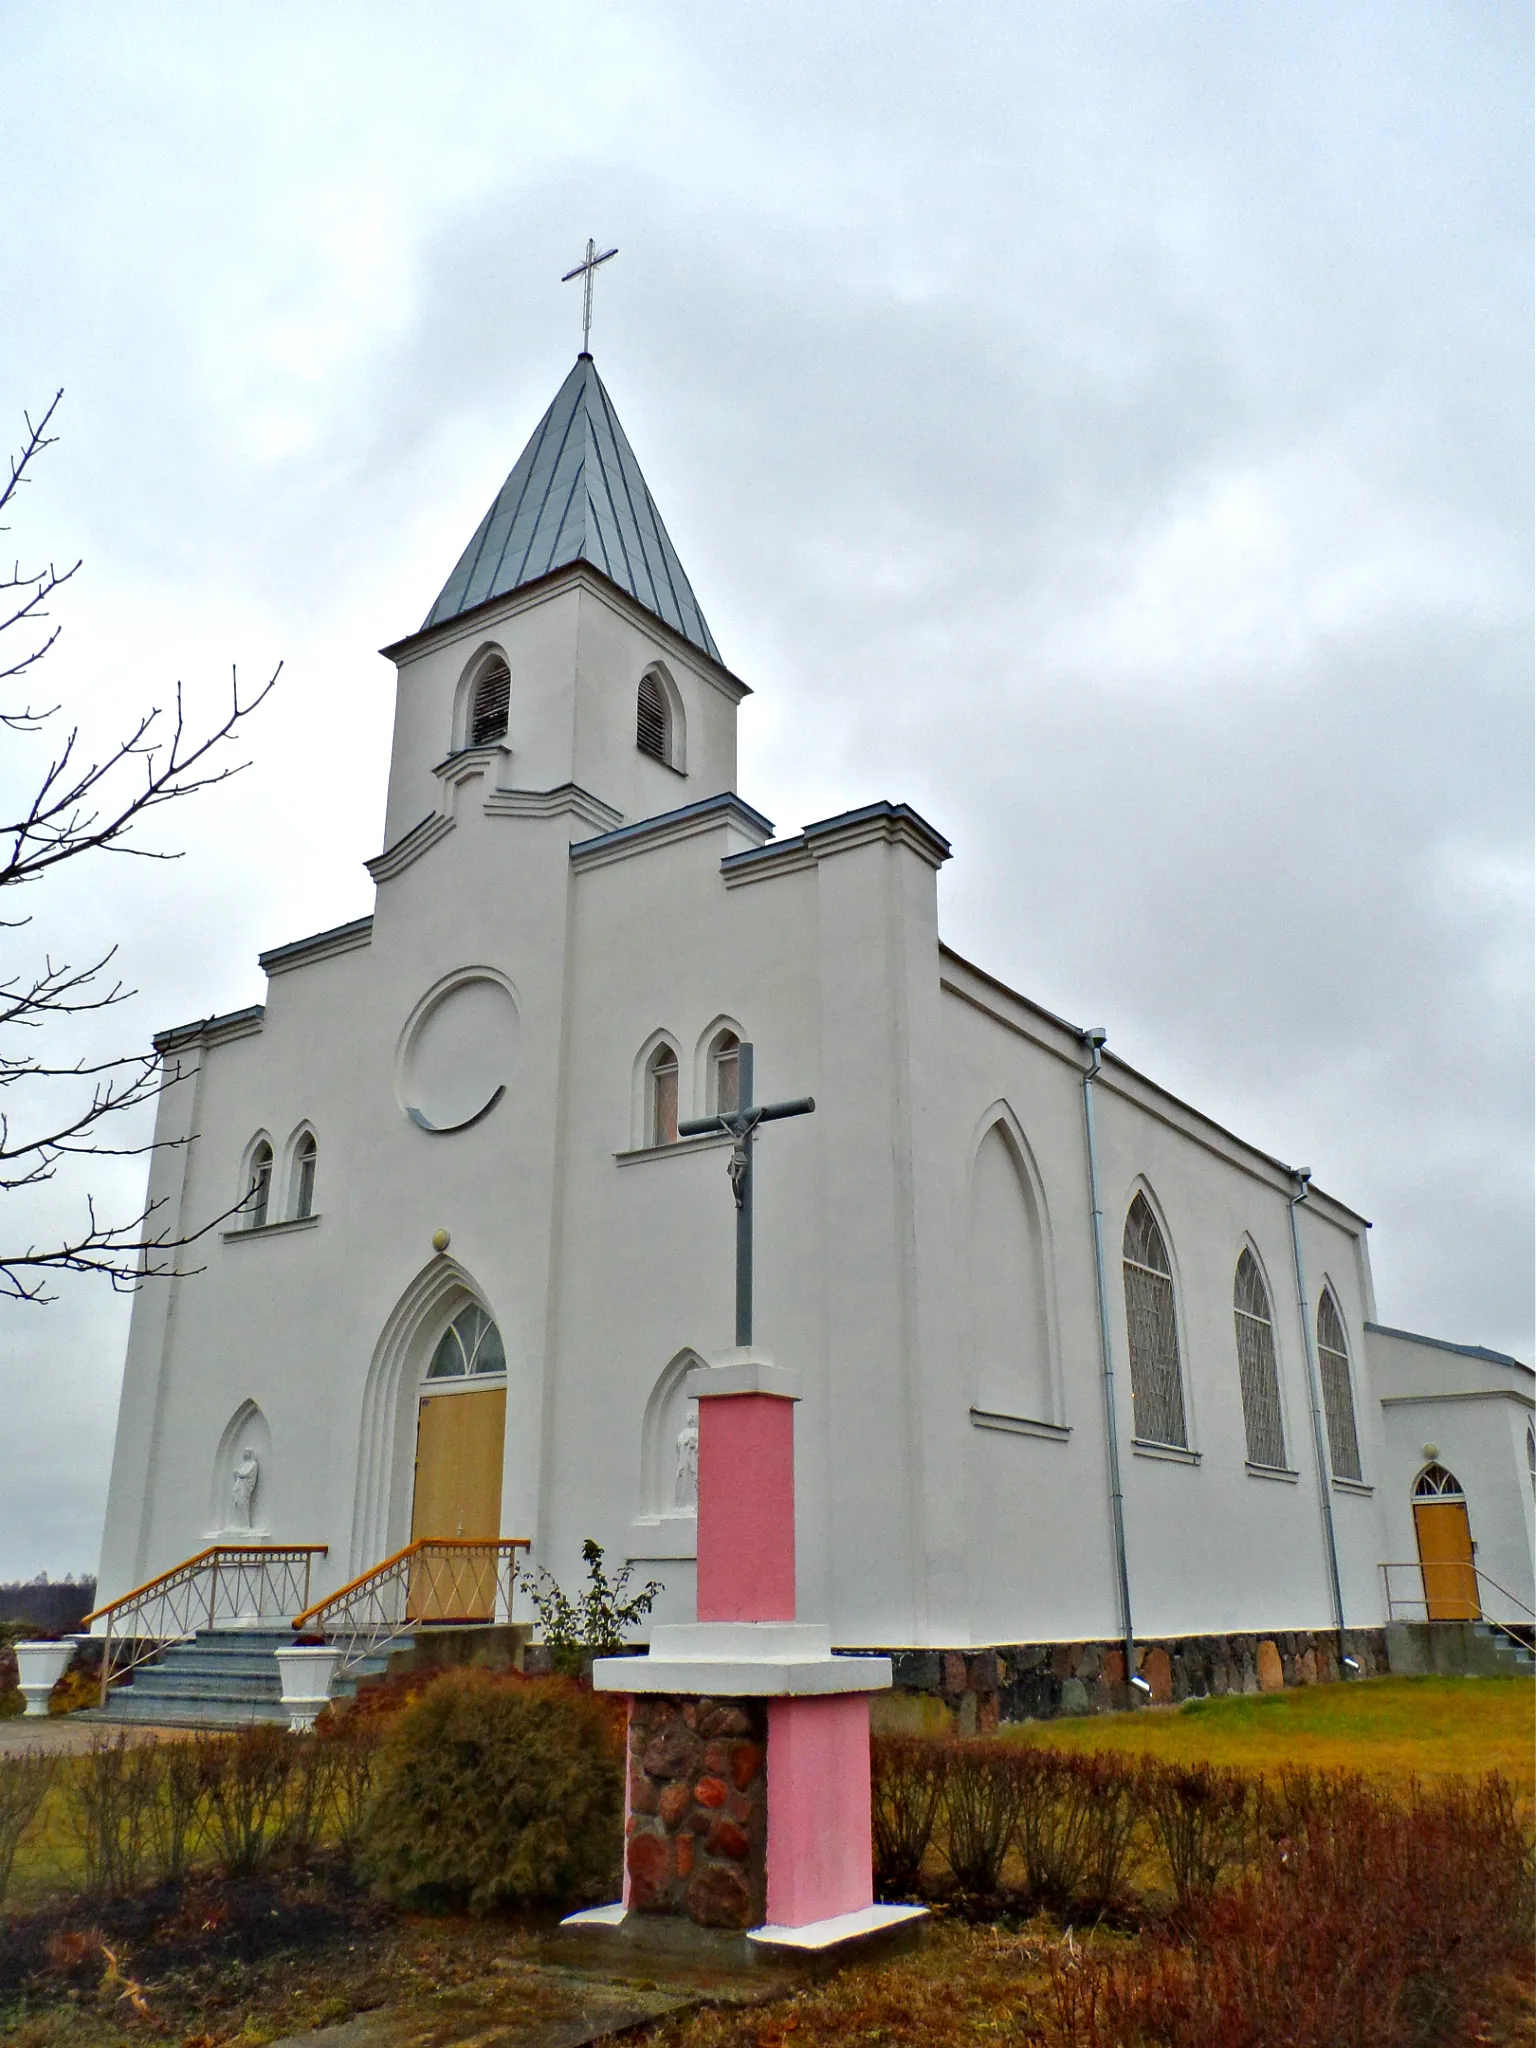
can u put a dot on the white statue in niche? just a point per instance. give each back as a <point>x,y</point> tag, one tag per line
<point>685,1490</point>
<point>242,1489</point>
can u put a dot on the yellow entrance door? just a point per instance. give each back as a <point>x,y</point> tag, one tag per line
<point>1445,1553</point>
<point>458,1494</point>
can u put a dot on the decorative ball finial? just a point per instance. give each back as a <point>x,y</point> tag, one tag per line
<point>440,1240</point>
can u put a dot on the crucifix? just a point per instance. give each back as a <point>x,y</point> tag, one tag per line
<point>584,271</point>
<point>740,1124</point>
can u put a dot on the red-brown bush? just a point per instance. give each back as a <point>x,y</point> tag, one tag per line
<point>1359,1922</point>
<point>908,1775</point>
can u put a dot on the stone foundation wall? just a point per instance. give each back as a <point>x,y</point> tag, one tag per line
<point>968,1692</point>
<point>486,1646</point>
<point>697,1821</point>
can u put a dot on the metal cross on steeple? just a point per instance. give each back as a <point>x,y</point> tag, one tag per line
<point>741,1124</point>
<point>584,272</point>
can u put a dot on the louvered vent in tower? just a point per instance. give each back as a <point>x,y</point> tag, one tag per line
<point>653,723</point>
<point>493,698</point>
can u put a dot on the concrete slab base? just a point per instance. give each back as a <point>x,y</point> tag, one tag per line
<point>833,1940</point>
<point>842,1932</point>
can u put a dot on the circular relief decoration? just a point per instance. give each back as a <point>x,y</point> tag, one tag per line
<point>458,1053</point>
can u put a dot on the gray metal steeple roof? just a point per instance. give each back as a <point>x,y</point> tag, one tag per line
<point>576,494</point>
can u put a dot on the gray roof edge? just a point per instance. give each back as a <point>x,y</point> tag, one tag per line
<point>235,1022</point>
<point>1113,1059</point>
<point>822,828</point>
<point>1445,1344</point>
<point>339,938</point>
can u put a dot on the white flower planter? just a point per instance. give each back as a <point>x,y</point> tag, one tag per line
<point>41,1666</point>
<point>306,1675</point>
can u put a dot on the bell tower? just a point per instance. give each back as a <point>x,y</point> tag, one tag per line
<point>568,622</point>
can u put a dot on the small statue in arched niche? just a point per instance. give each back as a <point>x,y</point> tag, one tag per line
<point>685,1490</point>
<point>242,1488</point>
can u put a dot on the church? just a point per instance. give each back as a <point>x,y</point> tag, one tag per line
<point>1078,1363</point>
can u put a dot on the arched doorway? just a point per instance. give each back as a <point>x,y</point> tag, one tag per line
<point>1444,1535</point>
<point>461,1418</point>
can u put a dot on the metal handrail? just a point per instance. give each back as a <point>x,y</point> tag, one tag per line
<point>437,1581</point>
<point>1478,1579</point>
<point>174,1605</point>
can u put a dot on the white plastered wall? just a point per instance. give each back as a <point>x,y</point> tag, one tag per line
<point>1474,1410</point>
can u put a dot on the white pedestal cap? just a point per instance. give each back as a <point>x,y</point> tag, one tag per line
<point>743,1370</point>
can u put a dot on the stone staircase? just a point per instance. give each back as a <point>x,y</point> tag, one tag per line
<point>219,1678</point>
<point>1456,1649</point>
<point>1509,1657</point>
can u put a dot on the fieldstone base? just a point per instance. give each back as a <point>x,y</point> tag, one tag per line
<point>968,1692</point>
<point>697,1821</point>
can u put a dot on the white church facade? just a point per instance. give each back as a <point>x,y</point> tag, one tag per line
<point>1077,1362</point>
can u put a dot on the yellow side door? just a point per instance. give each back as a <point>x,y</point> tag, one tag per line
<point>1445,1553</point>
<point>458,1494</point>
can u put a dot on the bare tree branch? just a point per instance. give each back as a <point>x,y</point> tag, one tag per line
<point>81,805</point>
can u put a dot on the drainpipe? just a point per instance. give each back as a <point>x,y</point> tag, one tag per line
<point>1094,1041</point>
<point>1314,1391</point>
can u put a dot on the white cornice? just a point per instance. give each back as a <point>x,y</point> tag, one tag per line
<point>394,860</point>
<point>211,1030</point>
<point>576,575</point>
<point>1521,1400</point>
<point>882,824</point>
<point>713,814</point>
<point>468,762</point>
<point>570,799</point>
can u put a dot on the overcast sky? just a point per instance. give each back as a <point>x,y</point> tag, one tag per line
<point>1104,427</point>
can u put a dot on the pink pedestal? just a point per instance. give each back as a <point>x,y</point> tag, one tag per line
<point>819,1849</point>
<point>748,1778</point>
<point>746,1508</point>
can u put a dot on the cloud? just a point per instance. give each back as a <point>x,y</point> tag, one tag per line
<point>1095,425</point>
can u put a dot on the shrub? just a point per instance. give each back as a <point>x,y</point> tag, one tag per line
<point>1077,1817</point>
<point>112,1793</point>
<point>177,1819</point>
<point>351,1748</point>
<point>497,1792</point>
<point>24,1783</point>
<point>245,1782</point>
<point>1364,1922</point>
<point>597,1621</point>
<point>984,1793</point>
<point>1200,1817</point>
<point>79,1687</point>
<point>908,1776</point>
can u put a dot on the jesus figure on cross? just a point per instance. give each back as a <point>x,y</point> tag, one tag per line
<point>741,1125</point>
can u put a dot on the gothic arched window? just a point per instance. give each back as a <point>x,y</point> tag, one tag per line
<point>490,704</point>
<point>653,719</point>
<point>258,1193</point>
<point>1435,1483</point>
<point>725,1074</point>
<point>1256,1365</point>
<point>1157,1387</point>
<point>661,1096</point>
<point>305,1157</point>
<point>471,1344</point>
<point>1338,1396</point>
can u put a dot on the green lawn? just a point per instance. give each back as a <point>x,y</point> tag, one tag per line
<point>1396,1728</point>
